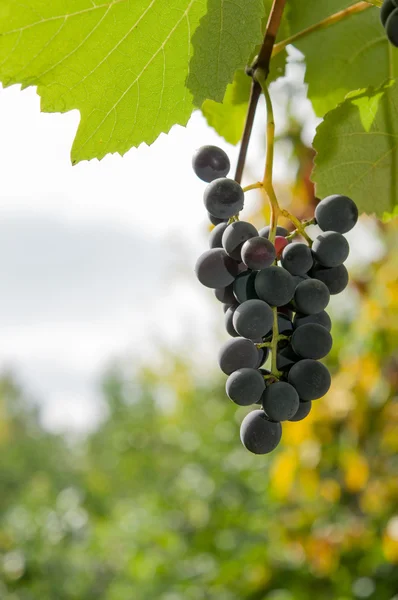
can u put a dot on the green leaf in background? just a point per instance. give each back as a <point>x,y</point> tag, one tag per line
<point>355,52</point>
<point>357,151</point>
<point>222,44</point>
<point>228,117</point>
<point>122,64</point>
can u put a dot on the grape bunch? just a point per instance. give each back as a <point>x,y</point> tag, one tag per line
<point>389,20</point>
<point>274,296</point>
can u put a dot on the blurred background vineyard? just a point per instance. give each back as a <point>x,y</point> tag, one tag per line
<point>161,502</point>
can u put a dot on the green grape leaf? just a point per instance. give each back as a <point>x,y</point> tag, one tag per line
<point>222,44</point>
<point>355,51</point>
<point>123,64</point>
<point>228,117</point>
<point>357,150</point>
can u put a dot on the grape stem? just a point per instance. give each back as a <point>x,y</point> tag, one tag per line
<point>253,186</point>
<point>274,344</point>
<point>269,344</point>
<point>298,231</point>
<point>330,20</point>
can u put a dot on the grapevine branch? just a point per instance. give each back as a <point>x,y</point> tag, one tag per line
<point>331,20</point>
<point>262,62</point>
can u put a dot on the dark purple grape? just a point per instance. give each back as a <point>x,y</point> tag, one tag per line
<point>311,296</point>
<point>223,198</point>
<point>229,325</point>
<point>336,213</point>
<point>244,287</point>
<point>297,258</point>
<point>215,237</point>
<point>310,378</point>
<point>245,386</point>
<point>275,286</point>
<point>258,253</point>
<point>253,319</point>
<point>225,295</point>
<point>303,411</point>
<point>330,249</point>
<point>235,235</point>
<point>210,162</point>
<point>280,401</point>
<point>236,354</point>
<point>335,278</point>
<point>215,269</point>
<point>311,341</point>
<point>258,434</point>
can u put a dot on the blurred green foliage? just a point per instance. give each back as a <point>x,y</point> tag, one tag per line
<point>162,502</point>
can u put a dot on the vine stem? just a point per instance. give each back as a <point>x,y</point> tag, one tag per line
<point>331,20</point>
<point>262,61</point>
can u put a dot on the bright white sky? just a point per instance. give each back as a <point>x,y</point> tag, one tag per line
<point>96,260</point>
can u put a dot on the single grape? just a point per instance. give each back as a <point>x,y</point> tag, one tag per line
<point>214,268</point>
<point>225,295</point>
<point>330,249</point>
<point>258,434</point>
<point>386,9</point>
<point>253,319</point>
<point>335,278</point>
<point>303,411</point>
<point>280,401</point>
<point>275,286</point>
<point>297,258</point>
<point>311,296</point>
<point>258,253</point>
<point>223,198</point>
<point>228,319</point>
<point>216,220</point>
<point>215,237</point>
<point>311,341</point>
<point>244,287</point>
<point>392,28</point>
<point>286,358</point>
<point>321,318</point>
<point>336,213</point>
<point>280,243</point>
<point>235,236</point>
<point>245,386</point>
<point>210,162</point>
<point>281,231</point>
<point>310,378</point>
<point>236,354</point>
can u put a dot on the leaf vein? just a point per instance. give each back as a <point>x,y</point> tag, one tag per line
<point>130,86</point>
